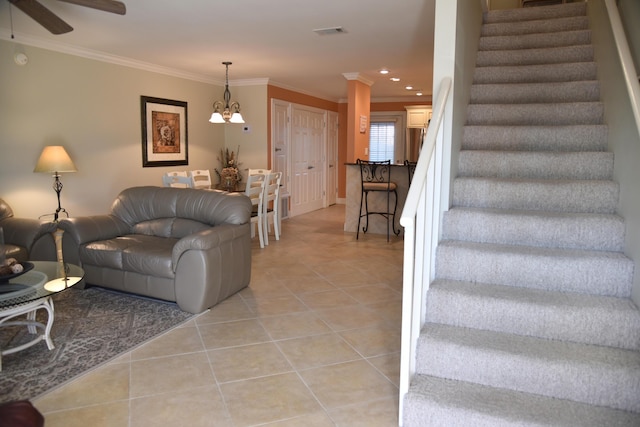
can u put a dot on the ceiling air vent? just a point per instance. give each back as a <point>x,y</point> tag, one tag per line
<point>330,30</point>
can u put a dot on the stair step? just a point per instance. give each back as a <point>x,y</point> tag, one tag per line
<point>544,138</point>
<point>572,71</point>
<point>585,196</point>
<point>595,375</point>
<point>534,228</point>
<point>564,270</point>
<point>571,23</point>
<point>587,319</point>
<point>439,402</point>
<point>536,165</point>
<point>535,13</point>
<point>529,93</point>
<point>556,55</point>
<point>568,113</point>
<point>537,40</point>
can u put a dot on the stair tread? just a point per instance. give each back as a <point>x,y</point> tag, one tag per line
<point>444,402</point>
<point>592,374</point>
<point>535,40</point>
<point>535,13</point>
<point>604,232</point>
<point>539,26</point>
<point>594,319</point>
<point>556,269</point>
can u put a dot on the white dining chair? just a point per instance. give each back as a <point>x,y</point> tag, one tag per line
<point>255,191</point>
<point>200,179</point>
<point>176,181</point>
<point>271,206</point>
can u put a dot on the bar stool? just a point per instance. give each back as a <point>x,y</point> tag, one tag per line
<point>376,177</point>
<point>411,168</point>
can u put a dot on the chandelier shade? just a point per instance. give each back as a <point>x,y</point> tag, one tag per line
<point>226,111</point>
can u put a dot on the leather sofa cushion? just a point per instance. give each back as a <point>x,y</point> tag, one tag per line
<point>169,227</point>
<point>140,253</point>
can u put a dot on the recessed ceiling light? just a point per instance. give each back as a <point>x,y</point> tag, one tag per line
<point>384,71</point>
<point>418,93</point>
<point>408,87</point>
<point>394,79</point>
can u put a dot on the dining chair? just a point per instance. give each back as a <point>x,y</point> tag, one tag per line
<point>271,206</point>
<point>200,179</point>
<point>176,181</point>
<point>258,171</point>
<point>375,177</point>
<point>255,191</point>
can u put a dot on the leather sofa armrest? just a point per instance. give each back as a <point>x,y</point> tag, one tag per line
<point>25,231</point>
<point>86,229</point>
<point>204,240</point>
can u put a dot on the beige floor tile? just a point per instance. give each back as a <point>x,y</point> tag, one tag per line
<point>171,373</point>
<point>231,334</point>
<point>347,383</point>
<point>392,312</point>
<point>233,308</point>
<point>374,293</point>
<point>251,361</point>
<point>115,414</point>
<point>200,407</point>
<point>268,399</point>
<point>317,350</point>
<point>327,299</point>
<point>294,325</point>
<point>311,284</point>
<point>273,306</point>
<point>318,419</point>
<point>373,341</point>
<point>378,413</point>
<point>389,365</point>
<point>176,341</point>
<point>108,383</point>
<point>351,317</point>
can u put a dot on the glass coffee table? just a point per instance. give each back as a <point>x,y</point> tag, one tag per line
<point>32,291</point>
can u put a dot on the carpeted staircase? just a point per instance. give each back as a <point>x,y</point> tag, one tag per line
<point>529,321</point>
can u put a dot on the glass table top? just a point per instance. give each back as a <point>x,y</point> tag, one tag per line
<point>45,279</point>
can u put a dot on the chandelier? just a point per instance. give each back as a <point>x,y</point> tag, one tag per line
<point>231,111</point>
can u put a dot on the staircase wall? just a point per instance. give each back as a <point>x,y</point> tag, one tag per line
<point>624,140</point>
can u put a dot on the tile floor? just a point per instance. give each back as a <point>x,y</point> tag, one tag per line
<point>314,341</point>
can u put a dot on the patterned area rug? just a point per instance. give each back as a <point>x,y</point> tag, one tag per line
<point>91,326</point>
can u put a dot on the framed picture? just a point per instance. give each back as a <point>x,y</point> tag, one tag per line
<point>164,132</point>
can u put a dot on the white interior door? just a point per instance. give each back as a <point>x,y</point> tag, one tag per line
<point>332,157</point>
<point>280,142</point>
<point>307,159</point>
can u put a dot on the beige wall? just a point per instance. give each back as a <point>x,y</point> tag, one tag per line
<point>93,109</point>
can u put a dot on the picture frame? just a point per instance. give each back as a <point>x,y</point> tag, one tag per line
<point>164,132</point>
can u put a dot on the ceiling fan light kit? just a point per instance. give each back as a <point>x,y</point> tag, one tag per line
<point>225,111</point>
<point>56,25</point>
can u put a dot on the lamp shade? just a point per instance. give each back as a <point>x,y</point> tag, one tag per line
<point>54,158</point>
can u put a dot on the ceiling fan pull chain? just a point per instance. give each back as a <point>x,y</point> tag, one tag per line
<point>11,20</point>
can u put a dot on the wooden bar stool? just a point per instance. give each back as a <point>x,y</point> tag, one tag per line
<point>376,177</point>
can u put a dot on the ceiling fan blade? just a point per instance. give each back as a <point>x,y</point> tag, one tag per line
<point>42,16</point>
<point>112,6</point>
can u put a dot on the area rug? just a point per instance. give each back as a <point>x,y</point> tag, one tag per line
<point>91,326</point>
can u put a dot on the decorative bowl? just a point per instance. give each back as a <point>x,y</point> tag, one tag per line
<point>26,266</point>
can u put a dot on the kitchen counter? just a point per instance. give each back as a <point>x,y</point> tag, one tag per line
<point>377,223</point>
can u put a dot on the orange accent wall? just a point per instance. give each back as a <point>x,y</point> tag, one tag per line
<point>394,106</point>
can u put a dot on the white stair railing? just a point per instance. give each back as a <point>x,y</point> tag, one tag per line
<point>626,60</point>
<point>420,242</point>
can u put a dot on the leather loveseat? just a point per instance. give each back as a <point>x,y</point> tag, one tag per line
<point>176,244</point>
<point>26,238</point>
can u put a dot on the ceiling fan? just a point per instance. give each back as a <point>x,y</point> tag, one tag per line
<point>53,23</point>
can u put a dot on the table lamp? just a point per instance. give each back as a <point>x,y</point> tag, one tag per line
<point>54,159</point>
